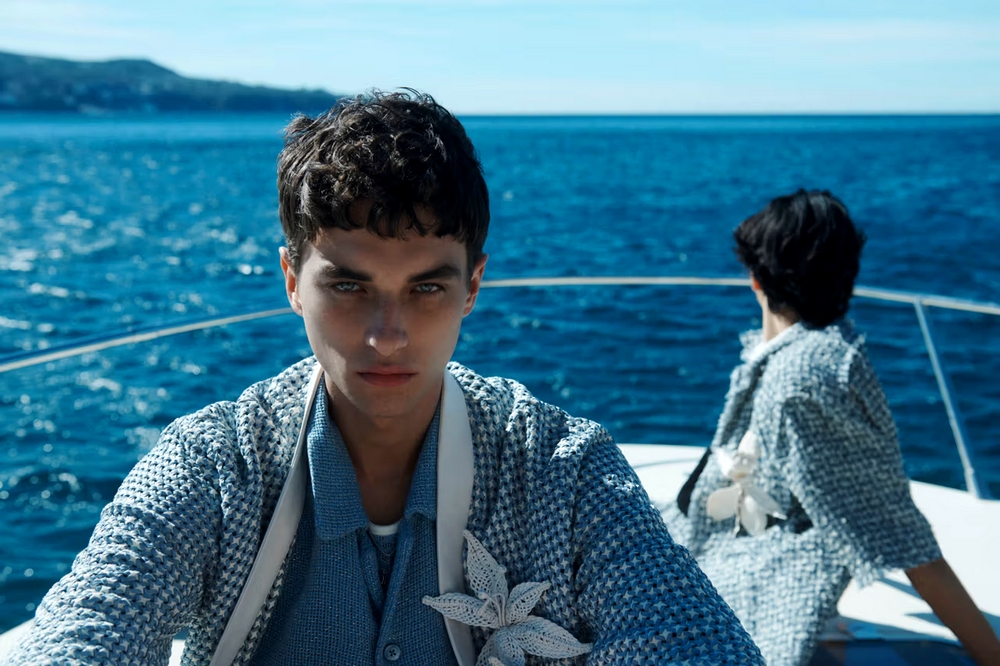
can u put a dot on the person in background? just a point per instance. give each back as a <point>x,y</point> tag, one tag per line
<point>385,212</point>
<point>803,486</point>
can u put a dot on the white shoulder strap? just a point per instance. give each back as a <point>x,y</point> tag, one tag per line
<point>455,470</point>
<point>274,547</point>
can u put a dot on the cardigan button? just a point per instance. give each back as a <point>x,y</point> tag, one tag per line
<point>392,652</point>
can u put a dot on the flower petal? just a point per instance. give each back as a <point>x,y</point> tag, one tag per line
<point>501,648</point>
<point>543,638</point>
<point>489,652</point>
<point>766,502</point>
<point>749,445</point>
<point>486,575</point>
<point>522,599</point>
<point>726,461</point>
<point>753,517</point>
<point>510,652</point>
<point>463,608</point>
<point>722,503</point>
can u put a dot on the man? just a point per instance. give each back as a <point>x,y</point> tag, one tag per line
<point>385,213</point>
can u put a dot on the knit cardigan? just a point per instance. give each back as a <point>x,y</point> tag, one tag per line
<point>553,500</point>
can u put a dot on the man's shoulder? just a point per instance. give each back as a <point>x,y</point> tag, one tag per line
<point>275,403</point>
<point>819,363</point>
<point>286,388</point>
<point>503,410</point>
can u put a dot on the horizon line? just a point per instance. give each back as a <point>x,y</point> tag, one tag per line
<point>716,114</point>
<point>9,113</point>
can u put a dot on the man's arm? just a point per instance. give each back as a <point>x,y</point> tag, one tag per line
<point>642,595</point>
<point>848,476</point>
<point>140,579</point>
<point>853,484</point>
<point>947,597</point>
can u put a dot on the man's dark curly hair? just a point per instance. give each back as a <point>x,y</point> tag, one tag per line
<point>399,150</point>
<point>805,252</point>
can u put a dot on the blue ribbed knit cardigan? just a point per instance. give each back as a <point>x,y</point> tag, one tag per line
<point>553,500</point>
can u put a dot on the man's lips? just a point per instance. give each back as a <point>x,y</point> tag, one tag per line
<point>387,376</point>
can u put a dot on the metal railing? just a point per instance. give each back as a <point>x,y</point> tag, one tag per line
<point>919,302</point>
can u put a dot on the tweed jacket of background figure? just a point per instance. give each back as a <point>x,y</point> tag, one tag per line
<point>830,457</point>
<point>553,500</point>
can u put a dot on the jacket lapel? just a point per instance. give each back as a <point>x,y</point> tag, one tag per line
<point>455,470</point>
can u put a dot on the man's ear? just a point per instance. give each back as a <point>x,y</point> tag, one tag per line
<point>291,281</point>
<point>474,283</point>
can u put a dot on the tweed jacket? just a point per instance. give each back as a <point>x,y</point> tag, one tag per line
<point>553,500</point>
<point>830,458</point>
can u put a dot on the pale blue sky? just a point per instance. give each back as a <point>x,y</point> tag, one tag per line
<point>552,56</point>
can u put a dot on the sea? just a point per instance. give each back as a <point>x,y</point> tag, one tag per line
<point>109,224</point>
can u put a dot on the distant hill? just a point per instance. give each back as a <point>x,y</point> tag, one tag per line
<point>31,83</point>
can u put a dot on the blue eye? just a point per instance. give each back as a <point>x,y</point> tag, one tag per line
<point>346,287</point>
<point>429,288</point>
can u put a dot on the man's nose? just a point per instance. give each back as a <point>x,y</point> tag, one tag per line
<point>387,332</point>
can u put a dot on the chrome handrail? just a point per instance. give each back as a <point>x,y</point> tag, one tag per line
<point>954,416</point>
<point>144,334</point>
<point>918,300</point>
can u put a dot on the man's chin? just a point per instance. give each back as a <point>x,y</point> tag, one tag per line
<point>374,402</point>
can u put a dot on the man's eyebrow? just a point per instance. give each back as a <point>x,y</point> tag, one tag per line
<point>334,272</point>
<point>442,272</point>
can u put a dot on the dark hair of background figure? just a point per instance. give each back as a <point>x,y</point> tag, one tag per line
<point>805,253</point>
<point>400,150</point>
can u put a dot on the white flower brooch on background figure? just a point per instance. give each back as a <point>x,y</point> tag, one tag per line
<point>515,632</point>
<point>742,499</point>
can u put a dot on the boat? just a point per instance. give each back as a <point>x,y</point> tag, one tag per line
<point>884,623</point>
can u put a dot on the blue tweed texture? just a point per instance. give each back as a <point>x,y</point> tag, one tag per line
<point>553,500</point>
<point>830,457</point>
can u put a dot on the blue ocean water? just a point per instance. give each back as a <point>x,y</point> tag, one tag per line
<point>115,222</point>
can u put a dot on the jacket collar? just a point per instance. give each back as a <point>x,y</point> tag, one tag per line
<point>755,349</point>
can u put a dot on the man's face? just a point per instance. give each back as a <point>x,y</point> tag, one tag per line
<point>383,317</point>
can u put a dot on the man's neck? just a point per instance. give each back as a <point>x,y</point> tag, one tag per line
<point>379,448</point>
<point>775,323</point>
<point>384,454</point>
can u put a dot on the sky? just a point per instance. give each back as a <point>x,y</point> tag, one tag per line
<point>556,56</point>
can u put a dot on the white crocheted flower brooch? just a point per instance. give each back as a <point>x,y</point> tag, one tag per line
<point>742,499</point>
<point>515,632</point>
